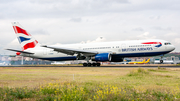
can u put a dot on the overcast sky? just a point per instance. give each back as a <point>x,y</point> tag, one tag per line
<point>77,21</point>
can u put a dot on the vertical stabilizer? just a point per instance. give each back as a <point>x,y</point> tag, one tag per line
<point>147,61</point>
<point>25,39</point>
<point>143,60</point>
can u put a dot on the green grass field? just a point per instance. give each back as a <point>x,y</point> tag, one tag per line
<point>79,84</point>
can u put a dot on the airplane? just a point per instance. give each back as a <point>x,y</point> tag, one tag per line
<point>93,53</point>
<point>137,62</point>
<point>143,62</point>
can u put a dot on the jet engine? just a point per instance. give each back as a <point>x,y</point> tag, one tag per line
<point>102,57</point>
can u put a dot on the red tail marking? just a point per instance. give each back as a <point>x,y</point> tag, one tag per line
<point>20,30</point>
<point>30,45</point>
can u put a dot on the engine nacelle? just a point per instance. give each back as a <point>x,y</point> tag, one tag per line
<point>102,57</point>
<point>116,58</point>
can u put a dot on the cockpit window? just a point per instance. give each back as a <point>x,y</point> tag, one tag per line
<point>167,43</point>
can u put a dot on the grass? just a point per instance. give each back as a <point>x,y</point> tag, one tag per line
<point>68,91</point>
<point>18,83</point>
<point>138,72</point>
<point>161,68</point>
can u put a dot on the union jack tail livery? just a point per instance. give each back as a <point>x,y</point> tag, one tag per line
<point>25,39</point>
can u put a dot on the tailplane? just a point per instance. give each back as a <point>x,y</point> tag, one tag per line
<point>25,39</point>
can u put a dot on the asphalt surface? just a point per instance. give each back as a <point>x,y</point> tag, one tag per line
<point>103,66</point>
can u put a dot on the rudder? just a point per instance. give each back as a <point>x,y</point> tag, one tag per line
<point>25,39</point>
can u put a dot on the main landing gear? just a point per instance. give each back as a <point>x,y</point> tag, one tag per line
<point>91,64</point>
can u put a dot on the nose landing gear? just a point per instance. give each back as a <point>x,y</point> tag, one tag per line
<point>161,61</point>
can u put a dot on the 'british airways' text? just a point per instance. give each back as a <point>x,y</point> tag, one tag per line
<point>137,49</point>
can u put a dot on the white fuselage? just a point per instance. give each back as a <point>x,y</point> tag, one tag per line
<point>122,49</point>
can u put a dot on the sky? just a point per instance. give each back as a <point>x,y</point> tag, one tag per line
<point>83,21</point>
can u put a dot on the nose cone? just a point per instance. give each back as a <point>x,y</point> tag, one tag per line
<point>172,47</point>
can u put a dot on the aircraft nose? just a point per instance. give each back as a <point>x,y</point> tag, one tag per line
<point>172,47</point>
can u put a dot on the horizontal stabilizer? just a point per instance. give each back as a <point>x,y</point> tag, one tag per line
<point>20,51</point>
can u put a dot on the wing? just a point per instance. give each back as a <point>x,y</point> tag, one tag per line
<point>20,51</point>
<point>71,51</point>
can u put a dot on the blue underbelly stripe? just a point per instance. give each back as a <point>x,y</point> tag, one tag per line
<point>113,55</point>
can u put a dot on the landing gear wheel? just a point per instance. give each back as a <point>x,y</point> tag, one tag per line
<point>161,61</point>
<point>94,64</point>
<point>89,64</point>
<point>85,64</point>
<point>98,64</point>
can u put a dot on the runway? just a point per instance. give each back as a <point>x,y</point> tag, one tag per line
<point>102,66</point>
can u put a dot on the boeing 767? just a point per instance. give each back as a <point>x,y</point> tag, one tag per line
<point>93,53</point>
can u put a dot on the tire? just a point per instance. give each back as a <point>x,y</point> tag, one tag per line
<point>85,64</point>
<point>94,64</point>
<point>98,64</point>
<point>89,64</point>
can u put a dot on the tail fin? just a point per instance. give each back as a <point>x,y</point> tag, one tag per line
<point>25,39</point>
<point>147,61</point>
<point>143,60</point>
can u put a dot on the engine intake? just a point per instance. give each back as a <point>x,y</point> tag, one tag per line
<point>102,57</point>
<point>116,58</point>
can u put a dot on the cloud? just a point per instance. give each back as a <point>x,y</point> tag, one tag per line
<point>146,35</point>
<point>40,31</point>
<point>138,29</point>
<point>13,44</point>
<point>63,8</point>
<point>72,21</point>
<point>163,29</point>
<point>155,17</point>
<point>171,34</point>
<point>176,43</point>
<point>76,19</point>
<point>177,40</point>
<point>99,39</point>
